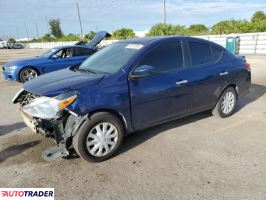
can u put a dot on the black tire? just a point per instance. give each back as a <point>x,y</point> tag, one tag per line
<point>218,110</point>
<point>24,70</point>
<point>80,139</point>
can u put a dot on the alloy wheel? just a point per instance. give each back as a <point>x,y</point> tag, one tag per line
<point>28,74</point>
<point>228,102</point>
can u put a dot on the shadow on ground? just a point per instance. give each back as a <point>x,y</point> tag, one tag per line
<point>135,139</point>
<point>16,149</point>
<point>5,129</point>
<point>255,92</point>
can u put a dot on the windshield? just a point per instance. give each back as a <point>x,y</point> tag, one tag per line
<point>111,58</point>
<point>49,53</point>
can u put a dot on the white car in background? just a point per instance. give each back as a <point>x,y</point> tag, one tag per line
<point>2,44</point>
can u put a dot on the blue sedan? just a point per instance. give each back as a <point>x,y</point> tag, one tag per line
<point>55,59</point>
<point>129,86</point>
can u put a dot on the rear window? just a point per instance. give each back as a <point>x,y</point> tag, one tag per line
<point>200,53</point>
<point>217,52</point>
<point>204,53</point>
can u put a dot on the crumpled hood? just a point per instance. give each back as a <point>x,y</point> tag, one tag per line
<point>21,62</point>
<point>58,82</point>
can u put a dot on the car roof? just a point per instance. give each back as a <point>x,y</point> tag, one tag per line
<point>146,40</point>
<point>71,46</point>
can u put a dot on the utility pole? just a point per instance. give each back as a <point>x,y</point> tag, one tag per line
<point>81,33</point>
<point>26,31</point>
<point>17,32</point>
<point>164,12</point>
<point>47,25</point>
<point>37,31</point>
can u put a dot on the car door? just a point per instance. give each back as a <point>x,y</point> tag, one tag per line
<point>207,74</point>
<point>61,59</point>
<point>164,94</point>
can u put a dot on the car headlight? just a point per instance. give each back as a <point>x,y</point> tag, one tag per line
<point>47,108</point>
<point>10,68</point>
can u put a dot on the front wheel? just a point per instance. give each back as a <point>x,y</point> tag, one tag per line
<point>226,105</point>
<point>99,137</point>
<point>27,74</point>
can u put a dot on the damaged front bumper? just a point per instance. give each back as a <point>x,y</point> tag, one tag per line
<point>50,128</point>
<point>60,129</point>
<point>53,129</point>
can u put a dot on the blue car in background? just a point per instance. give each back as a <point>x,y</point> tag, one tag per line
<point>55,59</point>
<point>129,86</point>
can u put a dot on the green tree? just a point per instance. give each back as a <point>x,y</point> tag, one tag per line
<point>196,29</point>
<point>55,28</point>
<point>258,17</point>
<point>166,29</point>
<point>69,37</point>
<point>259,26</point>
<point>47,38</point>
<point>177,30</point>
<point>89,35</point>
<point>258,22</point>
<point>246,27</point>
<point>231,26</point>
<point>11,40</point>
<point>123,33</point>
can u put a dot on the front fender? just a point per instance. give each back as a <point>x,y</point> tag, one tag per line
<point>110,94</point>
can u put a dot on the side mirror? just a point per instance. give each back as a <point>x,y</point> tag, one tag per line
<point>142,71</point>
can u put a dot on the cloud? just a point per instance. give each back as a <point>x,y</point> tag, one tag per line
<point>112,14</point>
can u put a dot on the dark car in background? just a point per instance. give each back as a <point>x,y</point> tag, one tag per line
<point>128,86</point>
<point>54,59</point>
<point>17,46</point>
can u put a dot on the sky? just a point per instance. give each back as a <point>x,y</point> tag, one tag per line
<point>109,15</point>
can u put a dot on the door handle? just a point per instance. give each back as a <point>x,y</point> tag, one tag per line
<point>223,73</point>
<point>181,82</point>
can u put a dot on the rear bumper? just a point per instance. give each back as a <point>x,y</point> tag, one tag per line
<point>244,85</point>
<point>11,75</point>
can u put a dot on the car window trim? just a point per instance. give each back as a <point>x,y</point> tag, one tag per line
<point>220,56</point>
<point>205,64</point>
<point>191,65</point>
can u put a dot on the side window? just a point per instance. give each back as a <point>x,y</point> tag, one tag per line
<point>164,57</point>
<point>200,53</point>
<point>65,53</point>
<point>69,53</point>
<point>59,53</point>
<point>217,52</point>
<point>83,52</point>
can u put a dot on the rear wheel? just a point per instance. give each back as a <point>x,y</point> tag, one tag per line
<point>99,137</point>
<point>27,74</point>
<point>226,105</point>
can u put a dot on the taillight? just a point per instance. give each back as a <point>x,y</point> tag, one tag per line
<point>247,66</point>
